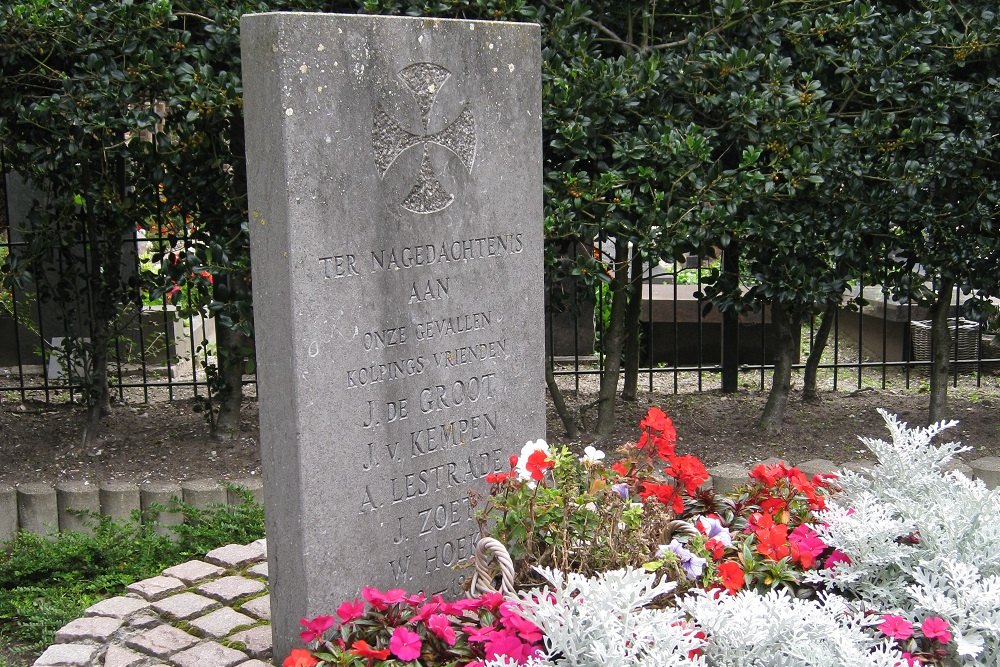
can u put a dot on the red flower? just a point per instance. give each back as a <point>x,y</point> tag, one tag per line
<point>299,657</point>
<point>348,611</point>
<point>207,276</point>
<point>773,505</point>
<point>316,627</point>
<point>405,644</point>
<point>361,649</point>
<point>732,576</point>
<point>715,547</point>
<point>689,471</point>
<point>538,463</point>
<point>620,468</point>
<point>769,475</point>
<point>772,538</point>
<point>664,493</point>
<point>656,419</point>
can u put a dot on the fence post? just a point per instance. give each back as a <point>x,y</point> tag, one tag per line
<point>731,327</point>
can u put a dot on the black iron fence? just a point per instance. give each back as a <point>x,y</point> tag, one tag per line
<point>161,349</point>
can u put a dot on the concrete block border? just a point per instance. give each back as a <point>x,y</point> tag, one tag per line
<point>40,508</point>
<point>44,509</point>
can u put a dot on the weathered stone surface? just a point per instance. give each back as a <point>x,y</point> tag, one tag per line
<point>817,467</point>
<point>259,607</point>
<point>161,641</point>
<point>394,167</point>
<point>256,640</point>
<point>119,500</point>
<point>236,555</point>
<point>209,653</point>
<point>119,656</point>
<point>117,607</point>
<point>88,628</point>
<point>77,502</point>
<point>193,571</point>
<point>37,510</point>
<point>255,663</point>
<point>185,605</point>
<point>727,476</point>
<point>8,513</point>
<point>155,588</point>
<point>260,569</point>
<point>987,469</point>
<point>228,589</point>
<point>221,622</point>
<point>67,655</point>
<point>203,493</point>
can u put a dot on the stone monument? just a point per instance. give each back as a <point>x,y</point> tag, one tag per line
<point>394,169</point>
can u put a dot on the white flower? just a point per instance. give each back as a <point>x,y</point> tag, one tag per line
<point>591,455</point>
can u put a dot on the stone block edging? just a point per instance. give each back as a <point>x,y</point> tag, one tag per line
<point>43,508</point>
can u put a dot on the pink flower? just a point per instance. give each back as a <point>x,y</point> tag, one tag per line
<point>896,627</point>
<point>405,644</point>
<point>836,557</point>
<point>911,659</point>
<point>806,545</point>
<point>316,627</point>
<point>935,627</point>
<point>478,634</point>
<point>441,626</point>
<point>349,611</point>
<point>506,643</point>
<point>379,600</point>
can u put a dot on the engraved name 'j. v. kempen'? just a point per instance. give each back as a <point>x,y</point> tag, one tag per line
<point>390,139</point>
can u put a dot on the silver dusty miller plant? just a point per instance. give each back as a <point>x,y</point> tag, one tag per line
<point>602,621</point>
<point>778,630</point>
<point>922,541</point>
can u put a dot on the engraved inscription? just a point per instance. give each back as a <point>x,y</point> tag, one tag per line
<point>390,139</point>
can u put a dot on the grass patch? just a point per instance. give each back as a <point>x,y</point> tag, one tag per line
<point>47,582</point>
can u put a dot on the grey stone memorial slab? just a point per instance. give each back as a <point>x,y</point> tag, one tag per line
<point>394,167</point>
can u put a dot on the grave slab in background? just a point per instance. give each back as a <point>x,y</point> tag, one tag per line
<point>394,167</point>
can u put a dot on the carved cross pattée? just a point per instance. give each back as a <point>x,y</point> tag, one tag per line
<point>390,139</point>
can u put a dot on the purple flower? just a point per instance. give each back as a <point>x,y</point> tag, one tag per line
<point>714,530</point>
<point>693,565</point>
<point>621,490</point>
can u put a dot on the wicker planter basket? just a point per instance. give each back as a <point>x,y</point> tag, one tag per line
<point>968,340</point>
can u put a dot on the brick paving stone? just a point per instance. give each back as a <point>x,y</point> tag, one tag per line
<point>260,569</point>
<point>119,656</point>
<point>185,605</point>
<point>92,628</point>
<point>144,621</point>
<point>256,640</point>
<point>162,641</point>
<point>221,622</point>
<point>67,655</point>
<point>209,653</point>
<point>193,571</point>
<point>116,607</point>
<point>156,588</point>
<point>230,588</point>
<point>255,663</point>
<point>236,555</point>
<point>259,607</point>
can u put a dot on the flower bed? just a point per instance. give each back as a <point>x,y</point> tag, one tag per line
<point>636,563</point>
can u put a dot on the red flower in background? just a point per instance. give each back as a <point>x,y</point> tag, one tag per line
<point>664,493</point>
<point>361,649</point>
<point>732,576</point>
<point>299,657</point>
<point>689,471</point>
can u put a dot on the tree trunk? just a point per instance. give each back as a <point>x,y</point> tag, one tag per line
<point>809,392</point>
<point>940,351</point>
<point>612,343</point>
<point>786,326</point>
<point>632,312</point>
<point>568,420</point>
<point>233,349</point>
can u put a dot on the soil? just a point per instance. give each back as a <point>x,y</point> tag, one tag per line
<point>164,440</point>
